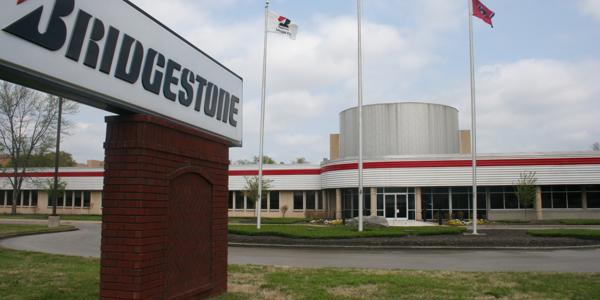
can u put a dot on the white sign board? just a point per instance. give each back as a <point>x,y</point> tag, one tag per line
<point>112,55</point>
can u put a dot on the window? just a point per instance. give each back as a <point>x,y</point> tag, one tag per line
<point>9,198</point>
<point>230,200</point>
<point>2,196</point>
<point>274,200</point>
<point>70,200</point>
<point>298,201</point>
<point>264,202</point>
<point>250,204</point>
<point>435,202</point>
<point>379,204</point>
<point>87,198</point>
<point>310,200</point>
<point>77,197</point>
<point>34,198</point>
<point>562,197</point>
<point>239,200</point>
<point>593,196</point>
<point>25,198</point>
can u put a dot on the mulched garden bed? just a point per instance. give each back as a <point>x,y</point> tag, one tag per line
<point>493,238</point>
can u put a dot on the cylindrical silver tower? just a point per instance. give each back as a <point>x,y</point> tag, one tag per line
<point>406,128</point>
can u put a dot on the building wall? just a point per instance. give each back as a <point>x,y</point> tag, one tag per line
<point>465,142</point>
<point>43,207</point>
<point>400,129</point>
<point>334,146</point>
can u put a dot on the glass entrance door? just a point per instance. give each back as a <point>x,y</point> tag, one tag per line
<point>396,206</point>
<point>390,206</point>
<point>401,207</point>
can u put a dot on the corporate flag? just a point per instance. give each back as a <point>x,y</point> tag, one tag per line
<point>282,25</point>
<point>481,11</point>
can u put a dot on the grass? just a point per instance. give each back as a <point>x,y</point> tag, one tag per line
<point>576,233</point>
<point>10,230</point>
<point>260,282</point>
<point>339,232</point>
<point>581,222</point>
<point>250,220</point>
<point>27,275</point>
<point>45,217</point>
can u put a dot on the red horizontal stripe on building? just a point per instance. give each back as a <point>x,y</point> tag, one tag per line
<point>60,174</point>
<point>466,163</point>
<point>275,172</point>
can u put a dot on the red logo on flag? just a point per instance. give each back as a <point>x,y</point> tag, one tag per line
<point>284,22</point>
<point>20,1</point>
<point>481,11</point>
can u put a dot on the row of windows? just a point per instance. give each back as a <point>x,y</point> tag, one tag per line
<point>350,203</point>
<point>308,200</point>
<point>72,199</point>
<point>561,197</point>
<point>239,201</point>
<point>451,202</point>
<point>26,199</point>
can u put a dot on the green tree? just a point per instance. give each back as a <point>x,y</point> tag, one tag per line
<point>28,122</point>
<point>60,189</point>
<point>596,146</point>
<point>251,189</point>
<point>267,160</point>
<point>47,160</point>
<point>300,160</point>
<point>525,189</point>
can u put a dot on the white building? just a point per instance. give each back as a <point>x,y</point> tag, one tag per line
<point>417,166</point>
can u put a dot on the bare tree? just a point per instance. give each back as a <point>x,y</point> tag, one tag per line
<point>525,189</point>
<point>251,189</point>
<point>596,146</point>
<point>28,122</point>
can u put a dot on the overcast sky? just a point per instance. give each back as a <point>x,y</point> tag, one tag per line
<point>538,80</point>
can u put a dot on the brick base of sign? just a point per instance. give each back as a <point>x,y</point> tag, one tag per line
<point>164,222</point>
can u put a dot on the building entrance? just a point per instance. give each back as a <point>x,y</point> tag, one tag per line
<point>396,206</point>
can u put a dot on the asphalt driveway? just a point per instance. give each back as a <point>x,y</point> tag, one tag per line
<point>86,242</point>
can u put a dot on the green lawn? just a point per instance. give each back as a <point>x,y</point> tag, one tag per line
<point>339,232</point>
<point>10,230</point>
<point>581,222</point>
<point>576,233</point>
<point>26,275</point>
<point>252,220</point>
<point>45,217</point>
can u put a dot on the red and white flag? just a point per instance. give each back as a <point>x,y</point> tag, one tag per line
<point>282,25</point>
<point>481,11</point>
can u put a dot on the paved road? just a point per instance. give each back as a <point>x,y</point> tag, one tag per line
<point>83,242</point>
<point>453,260</point>
<point>86,242</point>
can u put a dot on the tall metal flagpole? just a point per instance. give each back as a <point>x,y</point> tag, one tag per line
<point>360,116</point>
<point>473,117</point>
<point>262,121</point>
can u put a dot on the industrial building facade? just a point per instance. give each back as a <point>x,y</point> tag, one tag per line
<point>417,167</point>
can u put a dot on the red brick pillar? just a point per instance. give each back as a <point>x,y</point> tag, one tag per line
<point>164,223</point>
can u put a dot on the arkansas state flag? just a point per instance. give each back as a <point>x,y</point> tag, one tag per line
<point>481,11</point>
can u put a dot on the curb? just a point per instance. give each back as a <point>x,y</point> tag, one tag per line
<point>37,233</point>
<point>364,247</point>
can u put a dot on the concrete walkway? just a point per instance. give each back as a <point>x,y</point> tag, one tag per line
<point>86,242</point>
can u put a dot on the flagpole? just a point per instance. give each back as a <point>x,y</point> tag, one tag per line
<point>262,121</point>
<point>473,117</point>
<point>360,116</point>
